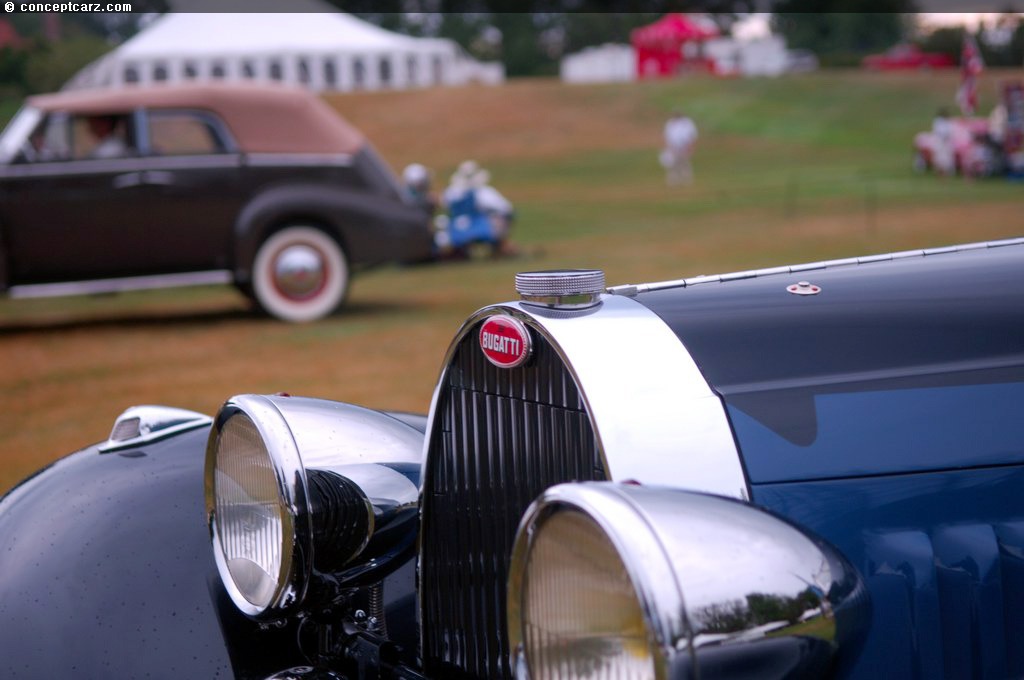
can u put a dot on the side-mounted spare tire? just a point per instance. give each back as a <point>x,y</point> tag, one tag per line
<point>300,273</point>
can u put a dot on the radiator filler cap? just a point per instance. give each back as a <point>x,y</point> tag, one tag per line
<point>561,288</point>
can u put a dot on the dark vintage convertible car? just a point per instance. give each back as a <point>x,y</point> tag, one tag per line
<point>801,472</point>
<point>264,187</point>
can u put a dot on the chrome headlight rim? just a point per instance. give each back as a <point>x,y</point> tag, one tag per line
<point>740,575</point>
<point>654,582</point>
<point>296,531</point>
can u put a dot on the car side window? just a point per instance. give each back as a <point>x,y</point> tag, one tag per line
<point>49,141</point>
<point>183,133</point>
<point>102,136</point>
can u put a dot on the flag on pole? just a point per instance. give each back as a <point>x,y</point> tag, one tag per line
<point>971,66</point>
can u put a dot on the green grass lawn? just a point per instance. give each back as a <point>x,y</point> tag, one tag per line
<point>9,105</point>
<point>787,170</point>
<point>828,142</point>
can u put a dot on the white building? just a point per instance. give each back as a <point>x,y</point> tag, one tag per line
<point>762,56</point>
<point>323,51</point>
<point>603,64</point>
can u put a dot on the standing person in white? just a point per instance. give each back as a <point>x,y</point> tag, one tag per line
<point>680,137</point>
<point>944,152</point>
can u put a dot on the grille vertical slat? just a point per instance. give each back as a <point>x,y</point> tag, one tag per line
<point>502,437</point>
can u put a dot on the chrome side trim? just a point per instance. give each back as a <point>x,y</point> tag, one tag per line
<point>630,290</point>
<point>99,286</point>
<point>298,159</point>
<point>143,424</point>
<point>88,166</point>
<point>127,164</point>
<point>226,160</point>
<point>655,417</point>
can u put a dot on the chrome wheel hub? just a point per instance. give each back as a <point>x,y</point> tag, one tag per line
<point>299,271</point>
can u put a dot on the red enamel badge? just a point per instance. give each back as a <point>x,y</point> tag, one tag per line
<point>505,341</point>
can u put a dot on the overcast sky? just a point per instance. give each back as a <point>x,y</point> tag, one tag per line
<point>757,24</point>
<point>969,5</point>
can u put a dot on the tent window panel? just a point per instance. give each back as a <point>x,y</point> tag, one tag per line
<point>358,73</point>
<point>276,71</point>
<point>304,75</point>
<point>385,71</point>
<point>191,70</point>
<point>182,133</point>
<point>410,67</point>
<point>330,73</point>
<point>218,70</point>
<point>131,74</point>
<point>438,70</point>
<point>160,72</point>
<point>248,69</point>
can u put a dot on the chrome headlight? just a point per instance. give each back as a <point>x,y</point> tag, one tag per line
<point>622,581</point>
<point>298,488</point>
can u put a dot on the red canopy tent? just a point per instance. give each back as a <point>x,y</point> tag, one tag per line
<point>663,48</point>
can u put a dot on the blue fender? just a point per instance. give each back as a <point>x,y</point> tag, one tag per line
<point>106,571</point>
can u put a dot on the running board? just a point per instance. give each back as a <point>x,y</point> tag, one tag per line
<point>101,286</point>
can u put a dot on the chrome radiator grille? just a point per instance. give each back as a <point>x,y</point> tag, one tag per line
<point>501,436</point>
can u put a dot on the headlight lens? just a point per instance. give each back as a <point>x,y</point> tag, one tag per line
<point>251,521</point>
<point>581,616</point>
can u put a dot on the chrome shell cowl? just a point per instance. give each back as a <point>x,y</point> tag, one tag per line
<point>609,393</point>
<point>655,417</point>
<point>723,586</point>
<point>346,480</point>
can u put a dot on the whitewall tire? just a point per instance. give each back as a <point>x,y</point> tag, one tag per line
<point>300,274</point>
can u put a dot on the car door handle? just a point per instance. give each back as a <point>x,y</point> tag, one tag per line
<point>158,177</point>
<point>127,180</point>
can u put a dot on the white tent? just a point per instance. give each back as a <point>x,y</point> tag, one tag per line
<point>321,51</point>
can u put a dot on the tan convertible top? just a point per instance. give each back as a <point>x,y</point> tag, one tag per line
<point>262,118</point>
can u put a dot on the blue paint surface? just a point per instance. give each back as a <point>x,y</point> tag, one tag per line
<point>887,428</point>
<point>943,557</point>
